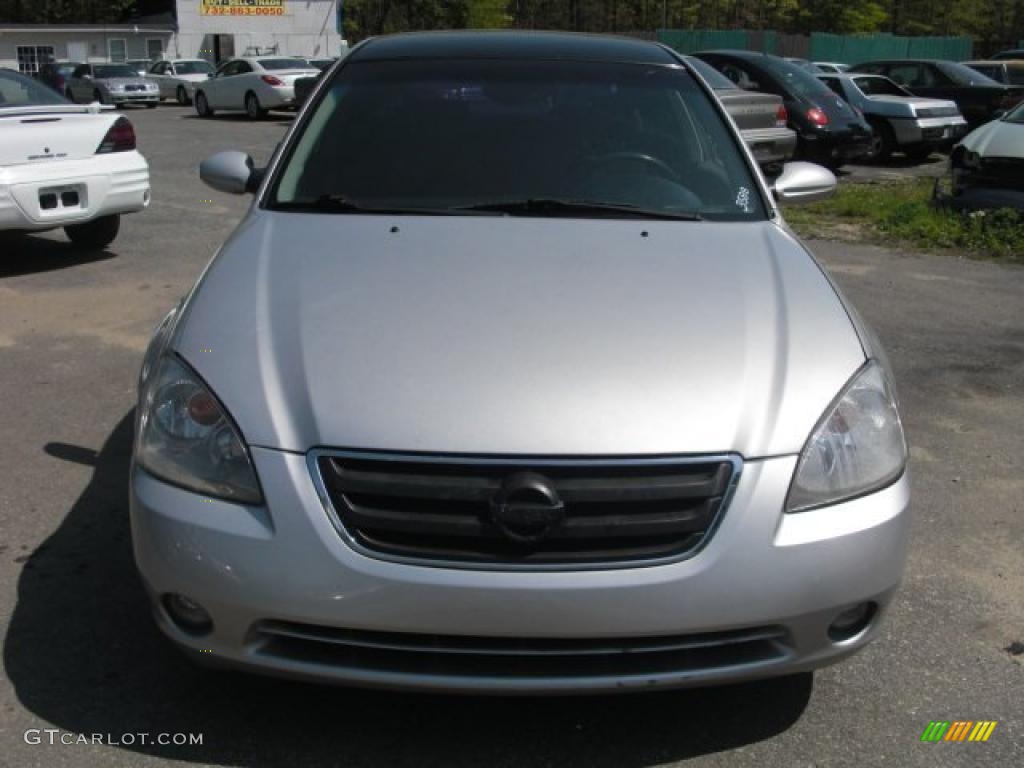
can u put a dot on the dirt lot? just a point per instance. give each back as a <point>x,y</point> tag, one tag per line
<point>82,655</point>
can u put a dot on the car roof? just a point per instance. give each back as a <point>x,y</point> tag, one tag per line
<point>513,44</point>
<point>1014,63</point>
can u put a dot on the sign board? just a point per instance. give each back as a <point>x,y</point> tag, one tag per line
<point>241,7</point>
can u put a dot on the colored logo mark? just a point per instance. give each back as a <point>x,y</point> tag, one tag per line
<point>958,730</point>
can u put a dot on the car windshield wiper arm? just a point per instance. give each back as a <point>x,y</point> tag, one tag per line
<point>543,206</point>
<point>345,204</point>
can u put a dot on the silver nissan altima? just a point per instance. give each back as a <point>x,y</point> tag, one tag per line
<point>513,379</point>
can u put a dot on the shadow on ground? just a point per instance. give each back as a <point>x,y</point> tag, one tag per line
<point>84,656</point>
<point>27,254</point>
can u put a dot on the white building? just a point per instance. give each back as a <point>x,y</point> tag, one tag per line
<point>209,29</point>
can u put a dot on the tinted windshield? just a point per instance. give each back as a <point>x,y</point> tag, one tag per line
<point>19,91</point>
<point>963,75</point>
<point>444,134</point>
<point>879,86</point>
<point>193,67</point>
<point>114,70</point>
<point>714,78</point>
<point>284,64</point>
<point>796,79</point>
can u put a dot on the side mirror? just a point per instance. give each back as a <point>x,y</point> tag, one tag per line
<point>803,183</point>
<point>232,172</point>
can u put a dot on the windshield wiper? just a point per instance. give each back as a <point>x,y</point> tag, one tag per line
<point>345,204</point>
<point>544,206</point>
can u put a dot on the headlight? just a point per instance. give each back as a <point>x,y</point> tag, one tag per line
<point>187,438</point>
<point>858,446</point>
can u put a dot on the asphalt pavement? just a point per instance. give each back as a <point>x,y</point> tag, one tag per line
<point>81,655</point>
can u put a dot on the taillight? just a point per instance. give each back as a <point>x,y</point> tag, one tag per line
<point>817,116</point>
<point>120,138</point>
<point>271,80</point>
<point>781,117</point>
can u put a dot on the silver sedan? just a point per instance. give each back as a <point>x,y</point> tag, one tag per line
<point>514,379</point>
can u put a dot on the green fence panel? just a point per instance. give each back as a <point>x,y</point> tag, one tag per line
<point>693,40</point>
<point>852,49</point>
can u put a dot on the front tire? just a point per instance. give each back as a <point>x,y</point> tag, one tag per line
<point>202,106</point>
<point>253,108</point>
<point>95,234</point>
<point>182,95</point>
<point>882,143</point>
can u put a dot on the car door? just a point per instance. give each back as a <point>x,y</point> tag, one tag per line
<point>215,87</point>
<point>79,84</point>
<point>238,84</point>
<point>158,72</point>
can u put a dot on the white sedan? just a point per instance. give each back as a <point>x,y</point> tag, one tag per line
<point>66,165</point>
<point>178,78</point>
<point>252,84</point>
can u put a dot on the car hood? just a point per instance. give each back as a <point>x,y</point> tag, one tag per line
<point>510,335</point>
<point>997,139</point>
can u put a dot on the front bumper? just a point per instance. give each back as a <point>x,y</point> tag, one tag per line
<point>135,97</point>
<point>286,565</point>
<point>106,184</point>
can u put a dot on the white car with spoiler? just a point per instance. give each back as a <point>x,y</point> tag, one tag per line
<point>252,84</point>
<point>66,165</point>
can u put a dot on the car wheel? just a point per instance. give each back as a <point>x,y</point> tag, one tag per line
<point>182,95</point>
<point>253,108</point>
<point>97,233</point>
<point>202,107</point>
<point>883,142</point>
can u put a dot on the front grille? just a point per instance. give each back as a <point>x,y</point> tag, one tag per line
<point>522,512</point>
<point>457,656</point>
<point>937,111</point>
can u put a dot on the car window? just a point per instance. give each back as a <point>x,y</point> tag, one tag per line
<point>193,68</point>
<point>443,134</point>
<point>273,64</point>
<point>908,75</point>
<point>962,75</point>
<point>1015,75</point>
<point>79,71</point>
<point>103,71</point>
<point>740,76</point>
<point>158,69</point>
<point>879,86</point>
<point>243,68</point>
<point>16,90</point>
<point>834,84</point>
<point>231,68</point>
<point>794,79</point>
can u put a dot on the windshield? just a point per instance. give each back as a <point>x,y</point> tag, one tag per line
<point>284,64</point>
<point>103,71</point>
<point>714,78</point>
<point>442,135</point>
<point>963,75</point>
<point>193,67</point>
<point>1016,115</point>
<point>879,86</point>
<point>20,91</point>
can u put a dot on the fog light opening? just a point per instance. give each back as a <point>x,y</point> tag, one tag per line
<point>189,615</point>
<point>852,621</point>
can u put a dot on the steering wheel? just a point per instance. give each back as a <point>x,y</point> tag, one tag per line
<point>662,169</point>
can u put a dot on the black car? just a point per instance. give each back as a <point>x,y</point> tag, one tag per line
<point>1014,53</point>
<point>979,98</point>
<point>56,73</point>
<point>829,131</point>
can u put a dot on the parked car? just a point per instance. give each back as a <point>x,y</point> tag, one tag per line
<point>761,117</point>
<point>1014,53</point>
<point>828,130</point>
<point>321,64</point>
<point>141,66</point>
<point>56,73</point>
<point>901,122</point>
<point>1008,72</point>
<point>64,165</point>
<point>177,78</point>
<point>987,167</point>
<point>115,84</point>
<point>252,84</point>
<point>978,97</point>
<point>831,66</point>
<point>513,379</point>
